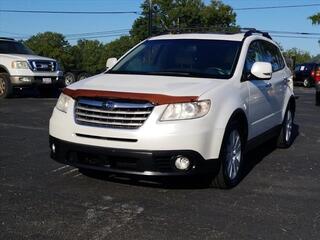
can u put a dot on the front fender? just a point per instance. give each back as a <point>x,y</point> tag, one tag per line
<point>223,107</point>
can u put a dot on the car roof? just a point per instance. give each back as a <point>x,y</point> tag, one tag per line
<point>7,39</point>
<point>204,36</point>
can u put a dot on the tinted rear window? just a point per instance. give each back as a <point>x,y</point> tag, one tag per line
<point>10,47</point>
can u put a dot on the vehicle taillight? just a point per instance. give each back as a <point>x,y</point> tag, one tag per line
<point>312,74</point>
<point>317,75</point>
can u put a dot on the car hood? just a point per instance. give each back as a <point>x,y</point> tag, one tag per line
<point>26,57</point>
<point>149,84</point>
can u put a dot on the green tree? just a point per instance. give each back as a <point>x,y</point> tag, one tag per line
<point>88,55</point>
<point>315,18</point>
<point>185,15</point>
<point>117,47</point>
<point>298,55</point>
<point>316,58</point>
<point>51,44</point>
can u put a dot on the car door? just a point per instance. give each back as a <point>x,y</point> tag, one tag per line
<point>279,80</point>
<point>261,97</point>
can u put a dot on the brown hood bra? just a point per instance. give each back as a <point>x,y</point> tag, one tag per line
<point>156,99</point>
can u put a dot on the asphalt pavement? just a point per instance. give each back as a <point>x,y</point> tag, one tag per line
<point>279,198</point>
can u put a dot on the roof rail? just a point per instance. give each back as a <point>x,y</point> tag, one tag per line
<point>250,31</point>
<point>6,38</point>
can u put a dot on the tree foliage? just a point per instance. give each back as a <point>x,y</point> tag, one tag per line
<point>183,15</point>
<point>89,56</point>
<point>52,45</point>
<point>298,55</point>
<point>316,58</point>
<point>315,18</point>
<point>168,16</point>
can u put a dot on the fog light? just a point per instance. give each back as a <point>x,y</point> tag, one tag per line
<point>25,79</point>
<point>182,163</point>
<point>53,148</point>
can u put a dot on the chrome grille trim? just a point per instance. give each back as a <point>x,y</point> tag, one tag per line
<point>111,113</point>
<point>42,65</point>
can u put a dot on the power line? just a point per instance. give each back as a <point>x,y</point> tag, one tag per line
<point>67,12</point>
<point>277,7</point>
<point>95,33</point>
<point>292,33</point>
<point>99,36</point>
<point>283,36</point>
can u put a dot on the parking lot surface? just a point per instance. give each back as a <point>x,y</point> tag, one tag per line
<point>41,199</point>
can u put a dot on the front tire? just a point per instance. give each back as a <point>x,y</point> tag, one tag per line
<point>285,138</point>
<point>231,158</point>
<point>5,86</point>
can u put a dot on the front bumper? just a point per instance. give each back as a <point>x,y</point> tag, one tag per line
<point>27,81</point>
<point>128,161</point>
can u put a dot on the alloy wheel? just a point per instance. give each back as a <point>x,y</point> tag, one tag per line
<point>288,126</point>
<point>233,156</point>
<point>2,86</point>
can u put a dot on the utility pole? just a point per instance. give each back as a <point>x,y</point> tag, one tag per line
<point>150,19</point>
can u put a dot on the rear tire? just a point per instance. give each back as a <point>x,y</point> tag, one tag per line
<point>83,75</point>
<point>231,158</point>
<point>285,137</point>
<point>5,86</point>
<point>69,78</point>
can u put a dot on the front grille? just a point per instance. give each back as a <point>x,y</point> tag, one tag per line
<point>43,65</point>
<point>112,114</point>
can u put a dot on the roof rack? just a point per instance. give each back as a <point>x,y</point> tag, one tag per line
<point>6,38</point>
<point>250,31</point>
<point>246,31</point>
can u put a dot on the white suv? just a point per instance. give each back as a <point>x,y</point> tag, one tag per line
<point>20,67</point>
<point>178,105</point>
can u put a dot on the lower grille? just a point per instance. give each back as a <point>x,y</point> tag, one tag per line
<point>112,114</point>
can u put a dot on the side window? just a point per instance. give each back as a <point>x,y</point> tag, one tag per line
<point>254,54</point>
<point>272,55</point>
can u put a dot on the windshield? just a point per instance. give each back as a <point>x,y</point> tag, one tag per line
<point>181,57</point>
<point>14,48</point>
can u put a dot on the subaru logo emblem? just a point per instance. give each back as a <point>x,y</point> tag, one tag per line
<point>109,105</point>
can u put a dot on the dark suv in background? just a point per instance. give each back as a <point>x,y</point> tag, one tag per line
<point>305,74</point>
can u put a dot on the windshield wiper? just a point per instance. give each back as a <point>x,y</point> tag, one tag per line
<point>166,73</point>
<point>189,74</point>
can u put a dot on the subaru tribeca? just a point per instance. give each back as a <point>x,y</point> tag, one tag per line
<point>178,105</point>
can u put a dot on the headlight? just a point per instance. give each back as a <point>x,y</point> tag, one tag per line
<point>20,65</point>
<point>63,103</point>
<point>189,110</point>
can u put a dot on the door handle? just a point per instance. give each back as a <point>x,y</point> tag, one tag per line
<point>268,85</point>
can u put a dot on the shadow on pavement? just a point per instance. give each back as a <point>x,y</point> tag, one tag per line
<point>252,159</point>
<point>255,156</point>
<point>36,93</point>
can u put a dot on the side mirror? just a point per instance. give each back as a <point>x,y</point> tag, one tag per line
<point>111,62</point>
<point>262,70</point>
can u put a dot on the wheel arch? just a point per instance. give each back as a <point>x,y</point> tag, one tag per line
<point>3,69</point>
<point>240,116</point>
<point>218,133</point>
<point>291,102</point>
